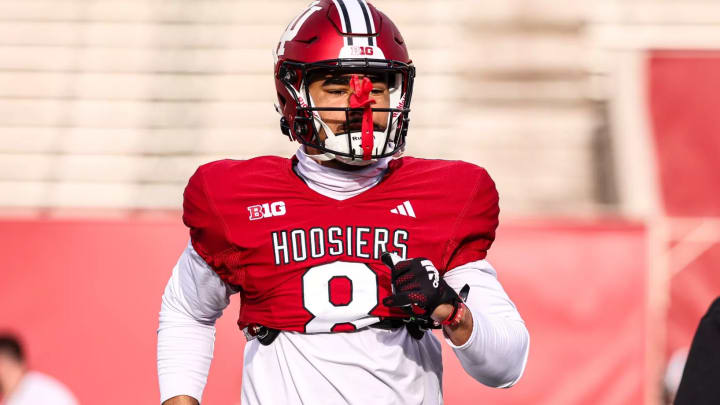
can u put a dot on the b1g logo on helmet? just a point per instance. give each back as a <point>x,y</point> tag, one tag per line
<point>267,210</point>
<point>362,50</point>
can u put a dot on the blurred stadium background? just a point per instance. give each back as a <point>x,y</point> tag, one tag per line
<point>599,121</point>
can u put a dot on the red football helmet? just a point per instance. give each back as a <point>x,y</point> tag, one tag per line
<point>343,37</point>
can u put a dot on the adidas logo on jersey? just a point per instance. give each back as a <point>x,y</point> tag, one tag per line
<point>404,209</point>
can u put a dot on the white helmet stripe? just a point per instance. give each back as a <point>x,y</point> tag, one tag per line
<point>356,19</point>
<point>369,23</point>
<point>344,20</point>
<point>356,13</point>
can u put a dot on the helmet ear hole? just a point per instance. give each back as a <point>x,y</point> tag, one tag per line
<point>291,77</point>
<point>288,75</point>
<point>301,128</point>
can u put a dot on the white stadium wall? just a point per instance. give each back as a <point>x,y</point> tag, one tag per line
<point>113,104</point>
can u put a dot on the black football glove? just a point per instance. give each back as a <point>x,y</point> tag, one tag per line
<point>417,286</point>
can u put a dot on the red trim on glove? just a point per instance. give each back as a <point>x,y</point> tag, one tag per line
<point>455,316</point>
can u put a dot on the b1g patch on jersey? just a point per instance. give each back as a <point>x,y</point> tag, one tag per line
<point>267,210</point>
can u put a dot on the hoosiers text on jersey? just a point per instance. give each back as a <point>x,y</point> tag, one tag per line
<point>362,242</point>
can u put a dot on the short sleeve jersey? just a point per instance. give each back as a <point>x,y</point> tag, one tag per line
<point>308,263</point>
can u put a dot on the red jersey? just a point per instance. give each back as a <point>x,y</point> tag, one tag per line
<point>309,263</point>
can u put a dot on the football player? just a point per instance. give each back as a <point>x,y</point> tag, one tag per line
<point>347,254</point>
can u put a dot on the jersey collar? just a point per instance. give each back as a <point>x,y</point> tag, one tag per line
<point>335,183</point>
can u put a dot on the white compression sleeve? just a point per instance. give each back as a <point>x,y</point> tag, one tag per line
<point>193,299</point>
<point>497,350</point>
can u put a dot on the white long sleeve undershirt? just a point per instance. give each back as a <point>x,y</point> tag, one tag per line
<point>497,350</point>
<point>495,354</point>
<point>193,300</point>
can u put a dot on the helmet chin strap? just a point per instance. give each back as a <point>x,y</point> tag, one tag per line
<point>333,141</point>
<point>326,156</point>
